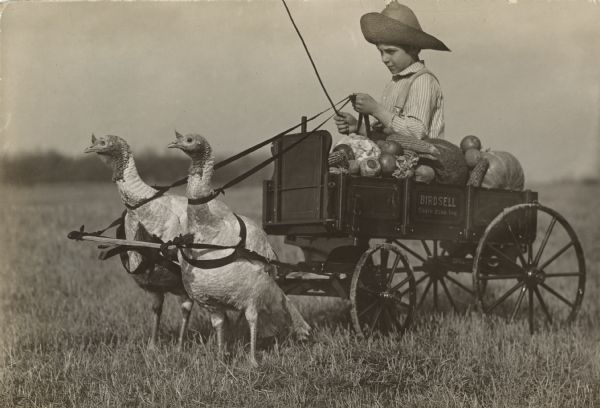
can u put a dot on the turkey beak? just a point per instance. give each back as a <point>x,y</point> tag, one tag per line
<point>90,149</point>
<point>174,145</point>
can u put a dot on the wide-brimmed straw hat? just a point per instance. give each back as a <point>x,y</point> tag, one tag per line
<point>398,25</point>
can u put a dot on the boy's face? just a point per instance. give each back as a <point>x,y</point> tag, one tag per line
<point>395,58</point>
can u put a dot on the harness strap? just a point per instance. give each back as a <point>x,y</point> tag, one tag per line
<point>238,249</point>
<point>206,199</point>
<point>158,194</point>
<point>116,222</point>
<point>150,257</point>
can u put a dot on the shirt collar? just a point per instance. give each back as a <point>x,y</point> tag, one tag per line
<point>408,71</point>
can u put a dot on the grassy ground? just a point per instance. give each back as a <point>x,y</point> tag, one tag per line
<point>74,330</point>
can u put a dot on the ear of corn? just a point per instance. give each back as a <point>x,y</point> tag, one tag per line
<point>337,159</point>
<point>478,173</point>
<point>414,144</point>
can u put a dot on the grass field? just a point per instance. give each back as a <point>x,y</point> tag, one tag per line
<point>73,331</point>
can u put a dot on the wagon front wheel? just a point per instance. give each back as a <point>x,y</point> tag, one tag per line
<point>382,292</point>
<point>533,265</point>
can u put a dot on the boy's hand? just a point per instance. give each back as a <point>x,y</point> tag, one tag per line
<point>364,103</point>
<point>346,123</point>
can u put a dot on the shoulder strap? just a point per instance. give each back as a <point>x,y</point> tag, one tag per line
<point>404,95</point>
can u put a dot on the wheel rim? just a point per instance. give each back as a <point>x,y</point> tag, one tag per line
<point>382,292</point>
<point>435,283</point>
<point>540,267</point>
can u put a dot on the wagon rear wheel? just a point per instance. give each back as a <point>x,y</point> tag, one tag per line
<point>437,279</point>
<point>533,265</point>
<point>382,292</point>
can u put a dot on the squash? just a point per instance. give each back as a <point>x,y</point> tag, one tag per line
<point>450,165</point>
<point>505,171</point>
<point>472,157</point>
<point>424,174</point>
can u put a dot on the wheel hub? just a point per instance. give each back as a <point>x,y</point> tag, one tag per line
<point>534,276</point>
<point>386,295</point>
<point>435,268</point>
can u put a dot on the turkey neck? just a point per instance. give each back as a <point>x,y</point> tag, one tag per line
<point>132,188</point>
<point>199,186</point>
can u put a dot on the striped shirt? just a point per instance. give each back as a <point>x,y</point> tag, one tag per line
<point>422,116</point>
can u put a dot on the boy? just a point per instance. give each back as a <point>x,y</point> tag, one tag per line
<point>412,102</point>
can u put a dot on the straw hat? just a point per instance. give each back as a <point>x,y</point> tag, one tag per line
<point>397,24</point>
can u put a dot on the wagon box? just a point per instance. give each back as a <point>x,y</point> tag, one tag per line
<point>304,199</point>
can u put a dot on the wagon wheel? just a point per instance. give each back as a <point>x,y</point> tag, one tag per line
<point>382,291</point>
<point>436,274</point>
<point>530,251</point>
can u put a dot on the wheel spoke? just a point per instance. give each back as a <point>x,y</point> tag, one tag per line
<point>421,279</point>
<point>563,274</point>
<point>410,251</point>
<point>435,294</point>
<point>518,304</point>
<point>399,302</point>
<point>400,284</point>
<point>529,252</point>
<point>538,255</point>
<point>424,293</point>
<point>385,254</point>
<point>460,285</point>
<point>394,266</point>
<point>388,317</point>
<point>371,292</point>
<point>517,243</point>
<point>426,248</point>
<point>543,304</point>
<point>503,256</point>
<point>375,318</point>
<point>530,311</point>
<point>555,293</point>
<point>503,297</point>
<point>445,287</point>
<point>500,277</point>
<point>366,309</point>
<point>556,255</point>
<point>435,248</point>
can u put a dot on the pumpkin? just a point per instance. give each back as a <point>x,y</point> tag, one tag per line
<point>505,171</point>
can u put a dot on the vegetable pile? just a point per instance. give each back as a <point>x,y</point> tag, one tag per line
<point>427,161</point>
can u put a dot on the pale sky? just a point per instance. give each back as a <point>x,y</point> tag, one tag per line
<point>523,77</point>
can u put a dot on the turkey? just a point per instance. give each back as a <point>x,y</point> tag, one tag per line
<point>164,217</point>
<point>242,283</point>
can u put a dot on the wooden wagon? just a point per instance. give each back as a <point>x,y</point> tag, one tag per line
<point>385,244</point>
